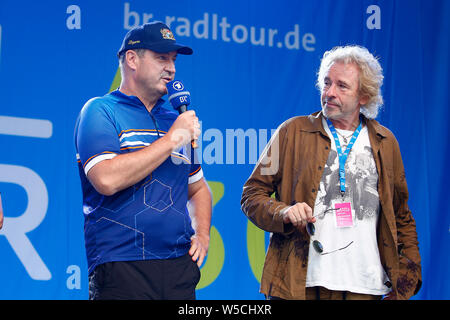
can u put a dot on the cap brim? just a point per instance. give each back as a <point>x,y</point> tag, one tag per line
<point>168,47</point>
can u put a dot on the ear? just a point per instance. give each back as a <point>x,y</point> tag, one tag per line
<point>132,59</point>
<point>363,100</point>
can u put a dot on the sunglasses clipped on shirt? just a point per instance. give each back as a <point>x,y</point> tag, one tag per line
<point>317,245</point>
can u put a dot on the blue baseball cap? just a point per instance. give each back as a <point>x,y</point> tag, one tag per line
<point>155,36</point>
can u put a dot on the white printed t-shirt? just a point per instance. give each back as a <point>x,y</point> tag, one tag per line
<point>356,268</point>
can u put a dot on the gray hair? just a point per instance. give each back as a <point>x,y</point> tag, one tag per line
<point>370,75</point>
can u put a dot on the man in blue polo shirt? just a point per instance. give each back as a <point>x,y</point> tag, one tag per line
<point>138,171</point>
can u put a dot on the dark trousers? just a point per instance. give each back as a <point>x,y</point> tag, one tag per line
<point>171,279</point>
<point>321,293</point>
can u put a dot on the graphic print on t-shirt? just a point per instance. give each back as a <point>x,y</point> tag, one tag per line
<point>361,182</point>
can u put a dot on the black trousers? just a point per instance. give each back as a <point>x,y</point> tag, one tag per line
<point>171,279</point>
<point>321,293</point>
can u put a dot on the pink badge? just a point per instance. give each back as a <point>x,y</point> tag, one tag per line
<point>344,214</point>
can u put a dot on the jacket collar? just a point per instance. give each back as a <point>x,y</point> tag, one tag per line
<point>373,126</point>
<point>315,125</point>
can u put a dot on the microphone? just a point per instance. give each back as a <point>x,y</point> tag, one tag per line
<point>179,99</point>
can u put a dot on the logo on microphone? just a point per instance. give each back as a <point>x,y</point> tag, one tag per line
<point>177,85</point>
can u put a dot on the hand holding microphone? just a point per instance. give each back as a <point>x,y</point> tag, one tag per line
<point>187,121</point>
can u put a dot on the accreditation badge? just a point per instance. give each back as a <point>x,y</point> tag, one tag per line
<point>344,213</point>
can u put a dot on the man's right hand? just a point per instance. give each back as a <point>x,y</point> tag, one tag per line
<point>299,215</point>
<point>185,129</point>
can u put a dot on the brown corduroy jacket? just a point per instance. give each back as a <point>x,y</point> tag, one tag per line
<point>294,173</point>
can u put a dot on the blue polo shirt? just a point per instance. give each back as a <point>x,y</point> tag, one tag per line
<point>148,220</point>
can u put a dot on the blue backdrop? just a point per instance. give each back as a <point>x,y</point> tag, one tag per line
<point>253,67</point>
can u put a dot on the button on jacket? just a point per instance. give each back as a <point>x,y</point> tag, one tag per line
<point>291,167</point>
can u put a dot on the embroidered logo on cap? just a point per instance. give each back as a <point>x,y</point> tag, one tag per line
<point>167,34</point>
<point>133,42</point>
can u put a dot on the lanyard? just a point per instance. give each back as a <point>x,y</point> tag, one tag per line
<point>343,155</point>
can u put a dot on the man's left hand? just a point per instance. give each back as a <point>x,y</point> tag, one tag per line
<point>199,249</point>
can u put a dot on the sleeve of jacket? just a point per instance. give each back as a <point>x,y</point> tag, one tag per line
<point>257,201</point>
<point>410,271</point>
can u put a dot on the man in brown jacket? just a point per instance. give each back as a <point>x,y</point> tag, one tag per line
<point>331,188</point>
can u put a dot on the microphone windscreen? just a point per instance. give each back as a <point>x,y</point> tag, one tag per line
<point>178,95</point>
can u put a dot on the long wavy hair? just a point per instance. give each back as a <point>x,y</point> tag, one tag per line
<point>370,74</point>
